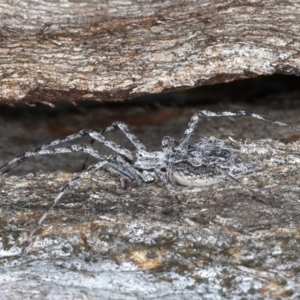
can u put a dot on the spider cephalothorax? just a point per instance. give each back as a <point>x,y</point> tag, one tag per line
<point>189,164</point>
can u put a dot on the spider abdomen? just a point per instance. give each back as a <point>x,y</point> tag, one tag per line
<point>204,163</point>
<point>187,174</point>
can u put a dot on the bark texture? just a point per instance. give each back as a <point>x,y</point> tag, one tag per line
<point>215,241</point>
<point>113,50</point>
<point>103,241</point>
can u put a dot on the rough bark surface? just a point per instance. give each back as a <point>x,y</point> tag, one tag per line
<point>137,243</point>
<point>113,50</point>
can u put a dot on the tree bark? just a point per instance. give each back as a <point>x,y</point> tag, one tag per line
<point>100,234</point>
<point>109,51</point>
<point>104,241</point>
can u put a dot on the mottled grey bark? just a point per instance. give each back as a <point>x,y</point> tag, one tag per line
<point>142,228</point>
<point>113,50</point>
<point>101,240</point>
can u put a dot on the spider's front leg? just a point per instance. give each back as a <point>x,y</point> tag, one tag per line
<point>124,128</point>
<point>21,158</point>
<point>122,168</point>
<point>93,134</point>
<point>125,170</point>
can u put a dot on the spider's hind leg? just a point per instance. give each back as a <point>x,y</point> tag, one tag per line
<point>256,196</point>
<point>209,114</point>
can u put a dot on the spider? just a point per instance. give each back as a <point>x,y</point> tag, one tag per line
<point>178,161</point>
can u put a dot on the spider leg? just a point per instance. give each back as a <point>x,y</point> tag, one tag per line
<point>87,156</point>
<point>68,138</point>
<point>71,137</point>
<point>75,148</point>
<point>118,163</point>
<point>93,134</point>
<point>123,151</point>
<point>208,114</point>
<point>124,128</point>
<point>112,145</point>
<point>70,184</point>
<point>165,181</point>
<point>136,174</point>
<point>167,146</point>
<point>111,160</point>
<point>255,195</point>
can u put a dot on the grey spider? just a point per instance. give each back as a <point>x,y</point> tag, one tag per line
<point>178,161</point>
